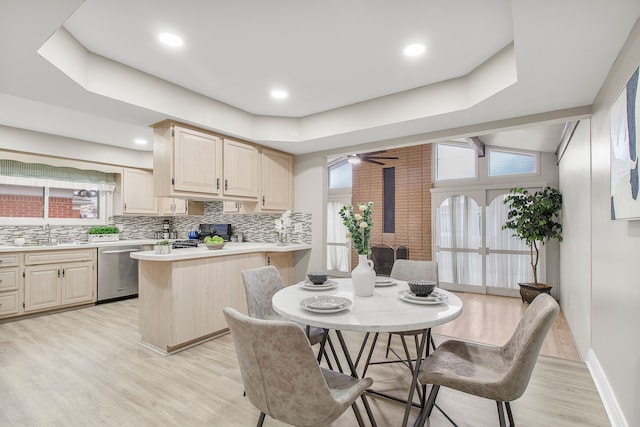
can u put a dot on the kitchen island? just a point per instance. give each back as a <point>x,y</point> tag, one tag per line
<point>181,295</point>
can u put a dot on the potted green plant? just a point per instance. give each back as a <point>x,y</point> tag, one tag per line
<point>162,247</point>
<point>533,218</point>
<point>106,233</point>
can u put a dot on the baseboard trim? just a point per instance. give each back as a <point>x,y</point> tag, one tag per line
<point>614,412</point>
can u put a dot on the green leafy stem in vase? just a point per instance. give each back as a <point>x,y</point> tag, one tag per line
<point>359,225</point>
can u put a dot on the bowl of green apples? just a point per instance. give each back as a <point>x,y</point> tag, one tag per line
<point>214,242</point>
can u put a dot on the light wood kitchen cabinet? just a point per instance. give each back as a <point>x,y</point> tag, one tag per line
<point>181,301</point>
<point>194,164</point>
<point>10,285</point>
<point>186,162</point>
<point>134,193</point>
<point>56,279</point>
<point>241,170</point>
<point>276,181</point>
<point>177,207</point>
<point>276,185</point>
<point>283,261</point>
<point>231,207</point>
<point>171,206</point>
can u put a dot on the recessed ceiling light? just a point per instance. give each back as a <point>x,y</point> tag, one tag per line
<point>279,94</point>
<point>141,141</point>
<point>414,49</point>
<point>170,39</point>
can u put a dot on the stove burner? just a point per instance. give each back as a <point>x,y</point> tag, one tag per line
<point>190,243</point>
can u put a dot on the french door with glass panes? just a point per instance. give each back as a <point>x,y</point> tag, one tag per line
<point>474,253</point>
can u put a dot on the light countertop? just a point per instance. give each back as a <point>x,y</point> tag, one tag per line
<point>75,245</point>
<point>230,248</point>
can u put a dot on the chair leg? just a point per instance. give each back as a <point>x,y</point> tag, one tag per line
<point>388,346</point>
<point>509,414</point>
<point>501,414</point>
<point>373,346</point>
<point>431,401</point>
<point>260,419</point>
<point>433,343</point>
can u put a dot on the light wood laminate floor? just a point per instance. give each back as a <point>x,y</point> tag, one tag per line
<point>86,368</point>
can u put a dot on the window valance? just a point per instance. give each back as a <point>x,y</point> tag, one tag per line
<point>14,172</point>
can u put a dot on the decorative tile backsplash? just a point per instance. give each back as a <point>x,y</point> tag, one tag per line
<point>254,227</point>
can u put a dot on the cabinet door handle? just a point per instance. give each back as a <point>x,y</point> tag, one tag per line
<point>58,273</point>
<point>226,184</point>
<point>63,272</point>
<point>262,200</point>
<point>217,183</point>
<point>268,260</point>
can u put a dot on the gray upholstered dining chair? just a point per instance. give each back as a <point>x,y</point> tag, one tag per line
<point>282,377</point>
<point>406,270</point>
<point>497,373</point>
<point>260,284</point>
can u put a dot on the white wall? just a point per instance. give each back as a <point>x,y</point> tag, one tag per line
<point>311,197</point>
<point>575,272</point>
<point>613,353</point>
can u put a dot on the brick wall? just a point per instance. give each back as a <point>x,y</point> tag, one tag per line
<point>413,199</point>
<point>61,207</point>
<point>17,206</point>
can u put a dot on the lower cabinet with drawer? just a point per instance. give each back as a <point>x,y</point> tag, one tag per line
<point>10,296</point>
<point>59,278</point>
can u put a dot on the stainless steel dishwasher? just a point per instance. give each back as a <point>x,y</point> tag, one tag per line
<point>118,272</point>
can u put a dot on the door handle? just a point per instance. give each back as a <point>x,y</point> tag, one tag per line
<point>120,251</point>
<point>217,183</point>
<point>226,184</point>
<point>63,272</point>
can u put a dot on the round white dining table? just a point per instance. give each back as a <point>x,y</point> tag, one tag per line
<point>384,311</point>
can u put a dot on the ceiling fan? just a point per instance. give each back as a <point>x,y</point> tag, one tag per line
<point>369,157</point>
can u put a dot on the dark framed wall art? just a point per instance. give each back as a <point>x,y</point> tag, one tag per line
<point>625,184</point>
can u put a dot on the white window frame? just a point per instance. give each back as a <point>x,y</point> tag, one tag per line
<point>534,154</point>
<point>340,194</point>
<point>454,180</point>
<point>482,196</point>
<point>104,204</point>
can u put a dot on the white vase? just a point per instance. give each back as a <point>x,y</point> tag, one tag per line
<point>363,277</point>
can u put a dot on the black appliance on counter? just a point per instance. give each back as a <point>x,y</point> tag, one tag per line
<point>190,243</point>
<point>222,230</point>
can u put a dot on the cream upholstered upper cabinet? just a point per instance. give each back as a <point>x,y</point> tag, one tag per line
<point>241,170</point>
<point>134,193</point>
<point>186,162</point>
<point>276,180</point>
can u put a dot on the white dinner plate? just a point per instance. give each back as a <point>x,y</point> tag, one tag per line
<point>431,299</point>
<point>325,304</point>
<point>382,281</point>
<point>329,284</point>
